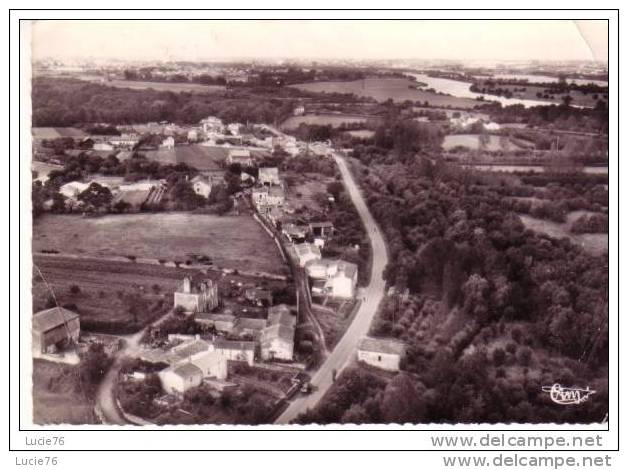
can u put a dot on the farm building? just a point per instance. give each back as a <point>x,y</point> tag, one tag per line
<point>125,140</point>
<point>341,277</point>
<point>197,297</point>
<point>235,350</point>
<point>240,156</point>
<point>103,147</point>
<point>269,176</point>
<point>189,373</point>
<point>168,143</point>
<point>277,339</point>
<point>222,322</point>
<point>251,327</point>
<point>383,353</point>
<point>54,329</point>
<point>307,252</point>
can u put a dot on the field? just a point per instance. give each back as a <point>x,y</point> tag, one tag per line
<point>113,297</point>
<point>56,397</point>
<point>594,243</point>
<point>200,157</point>
<point>56,132</point>
<point>236,242</point>
<point>42,169</point>
<point>382,89</point>
<point>530,93</point>
<point>304,188</point>
<point>334,120</point>
<point>472,141</point>
<point>159,86</point>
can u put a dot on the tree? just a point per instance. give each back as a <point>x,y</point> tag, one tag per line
<point>94,365</point>
<point>96,197</point>
<point>401,402</point>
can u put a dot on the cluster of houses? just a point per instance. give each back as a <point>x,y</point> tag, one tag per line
<point>329,277</point>
<point>236,338</point>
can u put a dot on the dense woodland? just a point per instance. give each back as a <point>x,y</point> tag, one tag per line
<point>67,102</point>
<point>491,311</point>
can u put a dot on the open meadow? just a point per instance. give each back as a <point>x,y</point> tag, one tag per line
<point>158,86</point>
<point>382,89</point>
<point>236,242</point>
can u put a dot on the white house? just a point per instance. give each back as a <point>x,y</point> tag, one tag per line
<point>201,186</point>
<point>277,339</point>
<point>234,128</point>
<point>124,140</point>
<point>180,378</point>
<point>299,111</point>
<point>235,350</point>
<point>190,372</point>
<point>192,135</point>
<point>196,296</point>
<point>307,252</point>
<point>341,277</point>
<point>103,146</point>
<point>241,156</point>
<point>168,143</point>
<point>212,124</point>
<point>269,176</point>
<point>383,353</point>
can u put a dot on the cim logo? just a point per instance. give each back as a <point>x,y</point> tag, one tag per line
<point>567,396</point>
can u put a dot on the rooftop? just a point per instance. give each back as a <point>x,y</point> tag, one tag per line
<point>46,320</point>
<point>238,345</point>
<point>187,370</point>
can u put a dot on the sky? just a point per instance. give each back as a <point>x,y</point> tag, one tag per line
<point>312,39</point>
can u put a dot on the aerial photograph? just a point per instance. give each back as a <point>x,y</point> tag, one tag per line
<point>296,222</point>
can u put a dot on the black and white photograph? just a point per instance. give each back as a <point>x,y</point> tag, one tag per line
<point>319,222</point>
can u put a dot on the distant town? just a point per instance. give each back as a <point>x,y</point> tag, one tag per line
<point>324,242</point>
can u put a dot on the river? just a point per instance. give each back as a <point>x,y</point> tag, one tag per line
<point>462,90</point>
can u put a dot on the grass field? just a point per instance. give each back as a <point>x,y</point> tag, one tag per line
<point>159,86</point>
<point>56,396</point>
<point>236,242</point>
<point>382,89</point>
<point>56,132</point>
<point>472,141</point>
<point>112,296</point>
<point>333,120</point>
<point>200,157</point>
<point>594,243</point>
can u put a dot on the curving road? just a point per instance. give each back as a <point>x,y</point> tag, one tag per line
<point>346,347</point>
<point>105,403</point>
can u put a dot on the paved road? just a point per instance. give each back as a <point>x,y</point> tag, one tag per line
<point>345,349</point>
<point>106,407</point>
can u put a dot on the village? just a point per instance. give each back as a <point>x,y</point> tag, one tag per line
<point>226,332</point>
